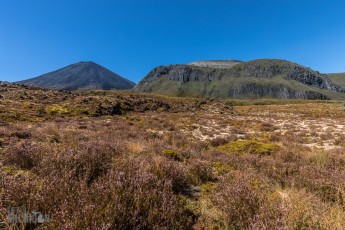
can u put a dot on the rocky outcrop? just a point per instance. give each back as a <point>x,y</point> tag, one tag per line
<point>5,83</point>
<point>276,91</point>
<point>312,78</point>
<point>181,73</point>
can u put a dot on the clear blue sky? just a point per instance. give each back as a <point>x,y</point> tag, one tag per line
<point>131,37</point>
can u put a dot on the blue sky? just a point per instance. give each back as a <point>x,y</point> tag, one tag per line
<point>131,37</point>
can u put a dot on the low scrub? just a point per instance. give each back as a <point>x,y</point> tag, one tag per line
<point>124,160</point>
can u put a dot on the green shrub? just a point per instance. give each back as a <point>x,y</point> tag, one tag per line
<point>221,168</point>
<point>249,146</point>
<point>56,109</point>
<point>172,154</point>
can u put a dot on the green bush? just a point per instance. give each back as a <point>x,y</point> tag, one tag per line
<point>172,154</point>
<point>249,146</point>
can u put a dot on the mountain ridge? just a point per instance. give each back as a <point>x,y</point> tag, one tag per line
<point>261,78</point>
<point>215,63</point>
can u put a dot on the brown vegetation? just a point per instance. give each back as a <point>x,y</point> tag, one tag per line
<point>118,160</point>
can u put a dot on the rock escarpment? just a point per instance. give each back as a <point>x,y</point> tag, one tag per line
<point>312,78</point>
<point>265,78</point>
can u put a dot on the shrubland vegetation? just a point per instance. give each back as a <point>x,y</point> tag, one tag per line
<point>119,160</point>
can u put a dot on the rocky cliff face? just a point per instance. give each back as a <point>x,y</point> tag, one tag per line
<point>258,78</point>
<point>181,73</point>
<point>312,78</point>
<point>275,91</point>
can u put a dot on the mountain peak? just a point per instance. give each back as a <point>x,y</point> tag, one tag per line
<point>84,75</point>
<point>87,63</point>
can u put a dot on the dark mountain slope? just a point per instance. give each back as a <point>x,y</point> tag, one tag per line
<point>80,76</point>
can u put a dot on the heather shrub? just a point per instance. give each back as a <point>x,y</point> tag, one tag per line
<point>172,170</point>
<point>25,155</point>
<point>149,203</point>
<point>172,154</point>
<point>275,137</point>
<point>86,162</point>
<point>305,211</point>
<point>239,198</point>
<point>215,142</point>
<point>200,171</point>
<point>128,197</point>
<point>271,212</point>
<point>18,188</point>
<point>267,127</point>
<point>21,134</point>
<point>218,141</point>
<point>133,193</point>
<point>340,140</point>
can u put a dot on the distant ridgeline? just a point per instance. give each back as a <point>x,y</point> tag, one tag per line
<point>264,78</point>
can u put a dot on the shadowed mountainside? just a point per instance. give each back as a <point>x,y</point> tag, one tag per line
<point>80,76</point>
